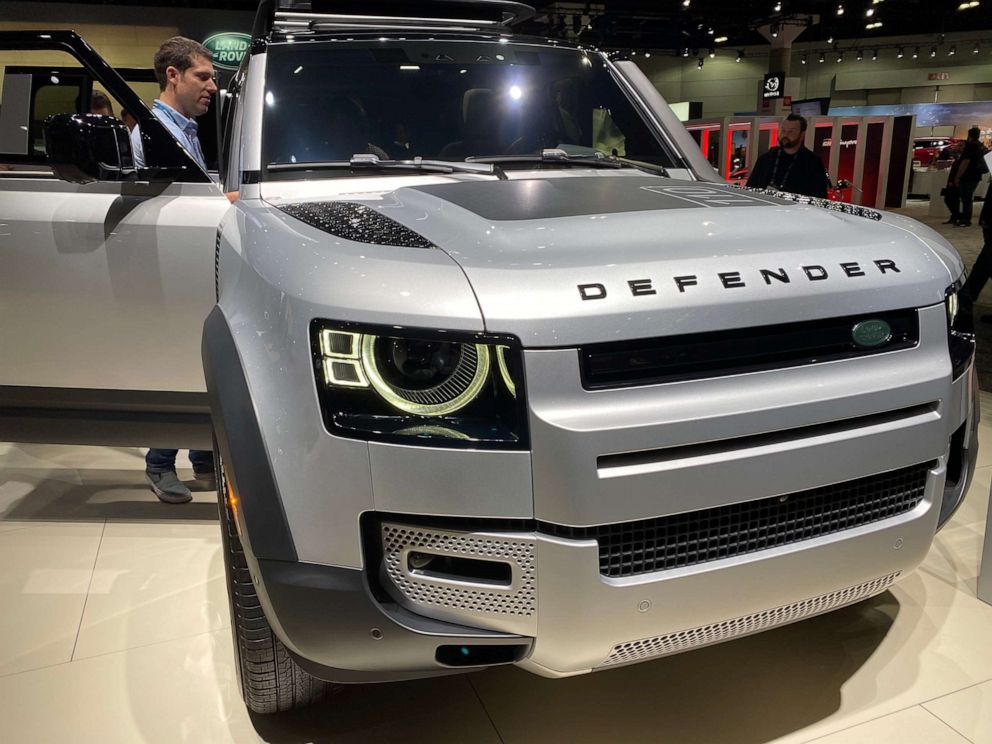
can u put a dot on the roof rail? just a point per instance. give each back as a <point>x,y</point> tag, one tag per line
<point>298,16</point>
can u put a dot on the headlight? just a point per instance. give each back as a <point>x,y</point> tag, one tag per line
<point>952,305</point>
<point>454,389</point>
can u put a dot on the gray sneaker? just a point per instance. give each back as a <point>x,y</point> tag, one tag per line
<point>168,487</point>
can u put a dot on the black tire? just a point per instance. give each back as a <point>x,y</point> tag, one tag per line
<point>270,681</point>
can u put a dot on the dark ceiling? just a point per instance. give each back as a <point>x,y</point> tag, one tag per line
<point>668,25</point>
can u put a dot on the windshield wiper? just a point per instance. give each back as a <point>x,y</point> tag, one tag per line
<point>365,161</point>
<point>556,155</point>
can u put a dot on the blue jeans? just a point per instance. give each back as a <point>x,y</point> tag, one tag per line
<point>164,460</point>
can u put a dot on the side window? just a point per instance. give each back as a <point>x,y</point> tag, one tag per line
<point>33,86</point>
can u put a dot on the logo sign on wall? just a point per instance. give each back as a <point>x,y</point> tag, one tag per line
<point>228,49</point>
<point>774,83</point>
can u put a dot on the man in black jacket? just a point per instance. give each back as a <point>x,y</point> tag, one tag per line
<point>790,166</point>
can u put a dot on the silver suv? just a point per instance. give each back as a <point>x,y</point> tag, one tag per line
<point>498,372</point>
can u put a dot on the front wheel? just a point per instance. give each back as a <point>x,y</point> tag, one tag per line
<point>270,681</point>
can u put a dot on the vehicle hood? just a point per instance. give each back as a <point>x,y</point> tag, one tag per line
<point>612,255</point>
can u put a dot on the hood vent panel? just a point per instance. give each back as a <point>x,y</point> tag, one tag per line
<point>356,222</point>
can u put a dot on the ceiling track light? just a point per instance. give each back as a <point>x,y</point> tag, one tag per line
<point>823,57</point>
<point>952,51</point>
<point>647,54</point>
<point>740,55</point>
<point>869,13</point>
<point>874,55</point>
<point>840,10</point>
<point>685,51</point>
<point>900,54</point>
<point>699,64</point>
<point>777,7</point>
<point>933,51</point>
<point>712,52</point>
<point>804,59</point>
<point>916,53</point>
<point>861,55</point>
<point>976,49</point>
<point>686,3</point>
<point>840,57</point>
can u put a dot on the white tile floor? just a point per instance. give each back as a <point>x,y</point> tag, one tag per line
<point>114,628</point>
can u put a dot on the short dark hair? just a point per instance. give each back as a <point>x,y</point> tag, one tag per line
<point>178,52</point>
<point>974,133</point>
<point>800,119</point>
<point>99,100</point>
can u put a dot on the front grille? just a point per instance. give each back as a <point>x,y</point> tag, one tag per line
<point>738,351</point>
<point>684,640</point>
<point>663,543</point>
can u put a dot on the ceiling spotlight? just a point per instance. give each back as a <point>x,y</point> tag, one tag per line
<point>777,7</point>
<point>774,30</point>
<point>952,51</point>
<point>823,57</point>
<point>685,51</point>
<point>900,54</point>
<point>740,55</point>
<point>830,39</point>
<point>699,65</point>
<point>975,50</point>
<point>804,59</point>
<point>874,55</point>
<point>709,31</point>
<point>871,26</point>
<point>870,12</point>
<point>686,3</point>
<point>840,57</point>
<point>712,52</point>
<point>840,10</point>
<point>647,54</point>
<point>719,39</point>
<point>933,51</point>
<point>969,5</point>
<point>861,56</point>
<point>916,53</point>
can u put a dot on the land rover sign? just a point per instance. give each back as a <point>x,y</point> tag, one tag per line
<point>228,49</point>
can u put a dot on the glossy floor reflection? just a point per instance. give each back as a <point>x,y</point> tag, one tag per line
<point>115,628</point>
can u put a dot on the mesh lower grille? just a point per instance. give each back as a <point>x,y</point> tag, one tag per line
<point>663,543</point>
<point>517,601</point>
<point>707,634</point>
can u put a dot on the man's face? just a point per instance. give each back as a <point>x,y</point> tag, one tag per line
<point>789,134</point>
<point>193,87</point>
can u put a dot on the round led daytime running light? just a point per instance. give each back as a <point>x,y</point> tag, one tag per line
<point>454,393</point>
<point>504,370</point>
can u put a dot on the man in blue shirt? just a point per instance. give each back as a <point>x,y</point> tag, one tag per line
<point>185,73</point>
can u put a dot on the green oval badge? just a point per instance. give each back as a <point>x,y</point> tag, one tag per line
<point>228,49</point>
<point>870,333</point>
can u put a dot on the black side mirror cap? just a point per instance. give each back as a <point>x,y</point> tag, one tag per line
<point>83,148</point>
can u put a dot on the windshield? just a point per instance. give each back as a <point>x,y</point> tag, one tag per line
<point>443,100</point>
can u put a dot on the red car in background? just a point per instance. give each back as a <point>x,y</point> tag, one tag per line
<point>928,149</point>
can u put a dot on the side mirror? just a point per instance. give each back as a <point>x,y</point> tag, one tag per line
<point>83,148</point>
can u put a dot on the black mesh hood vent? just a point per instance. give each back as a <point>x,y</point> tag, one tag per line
<point>356,222</point>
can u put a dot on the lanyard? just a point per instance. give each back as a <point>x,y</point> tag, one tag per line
<point>781,184</point>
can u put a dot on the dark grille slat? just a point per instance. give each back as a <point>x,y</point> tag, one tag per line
<point>696,537</point>
<point>738,351</point>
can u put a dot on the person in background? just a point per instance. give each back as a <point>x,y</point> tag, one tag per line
<point>185,73</point>
<point>971,168</point>
<point>982,269</point>
<point>129,121</point>
<point>951,192</point>
<point>100,104</point>
<point>790,166</point>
